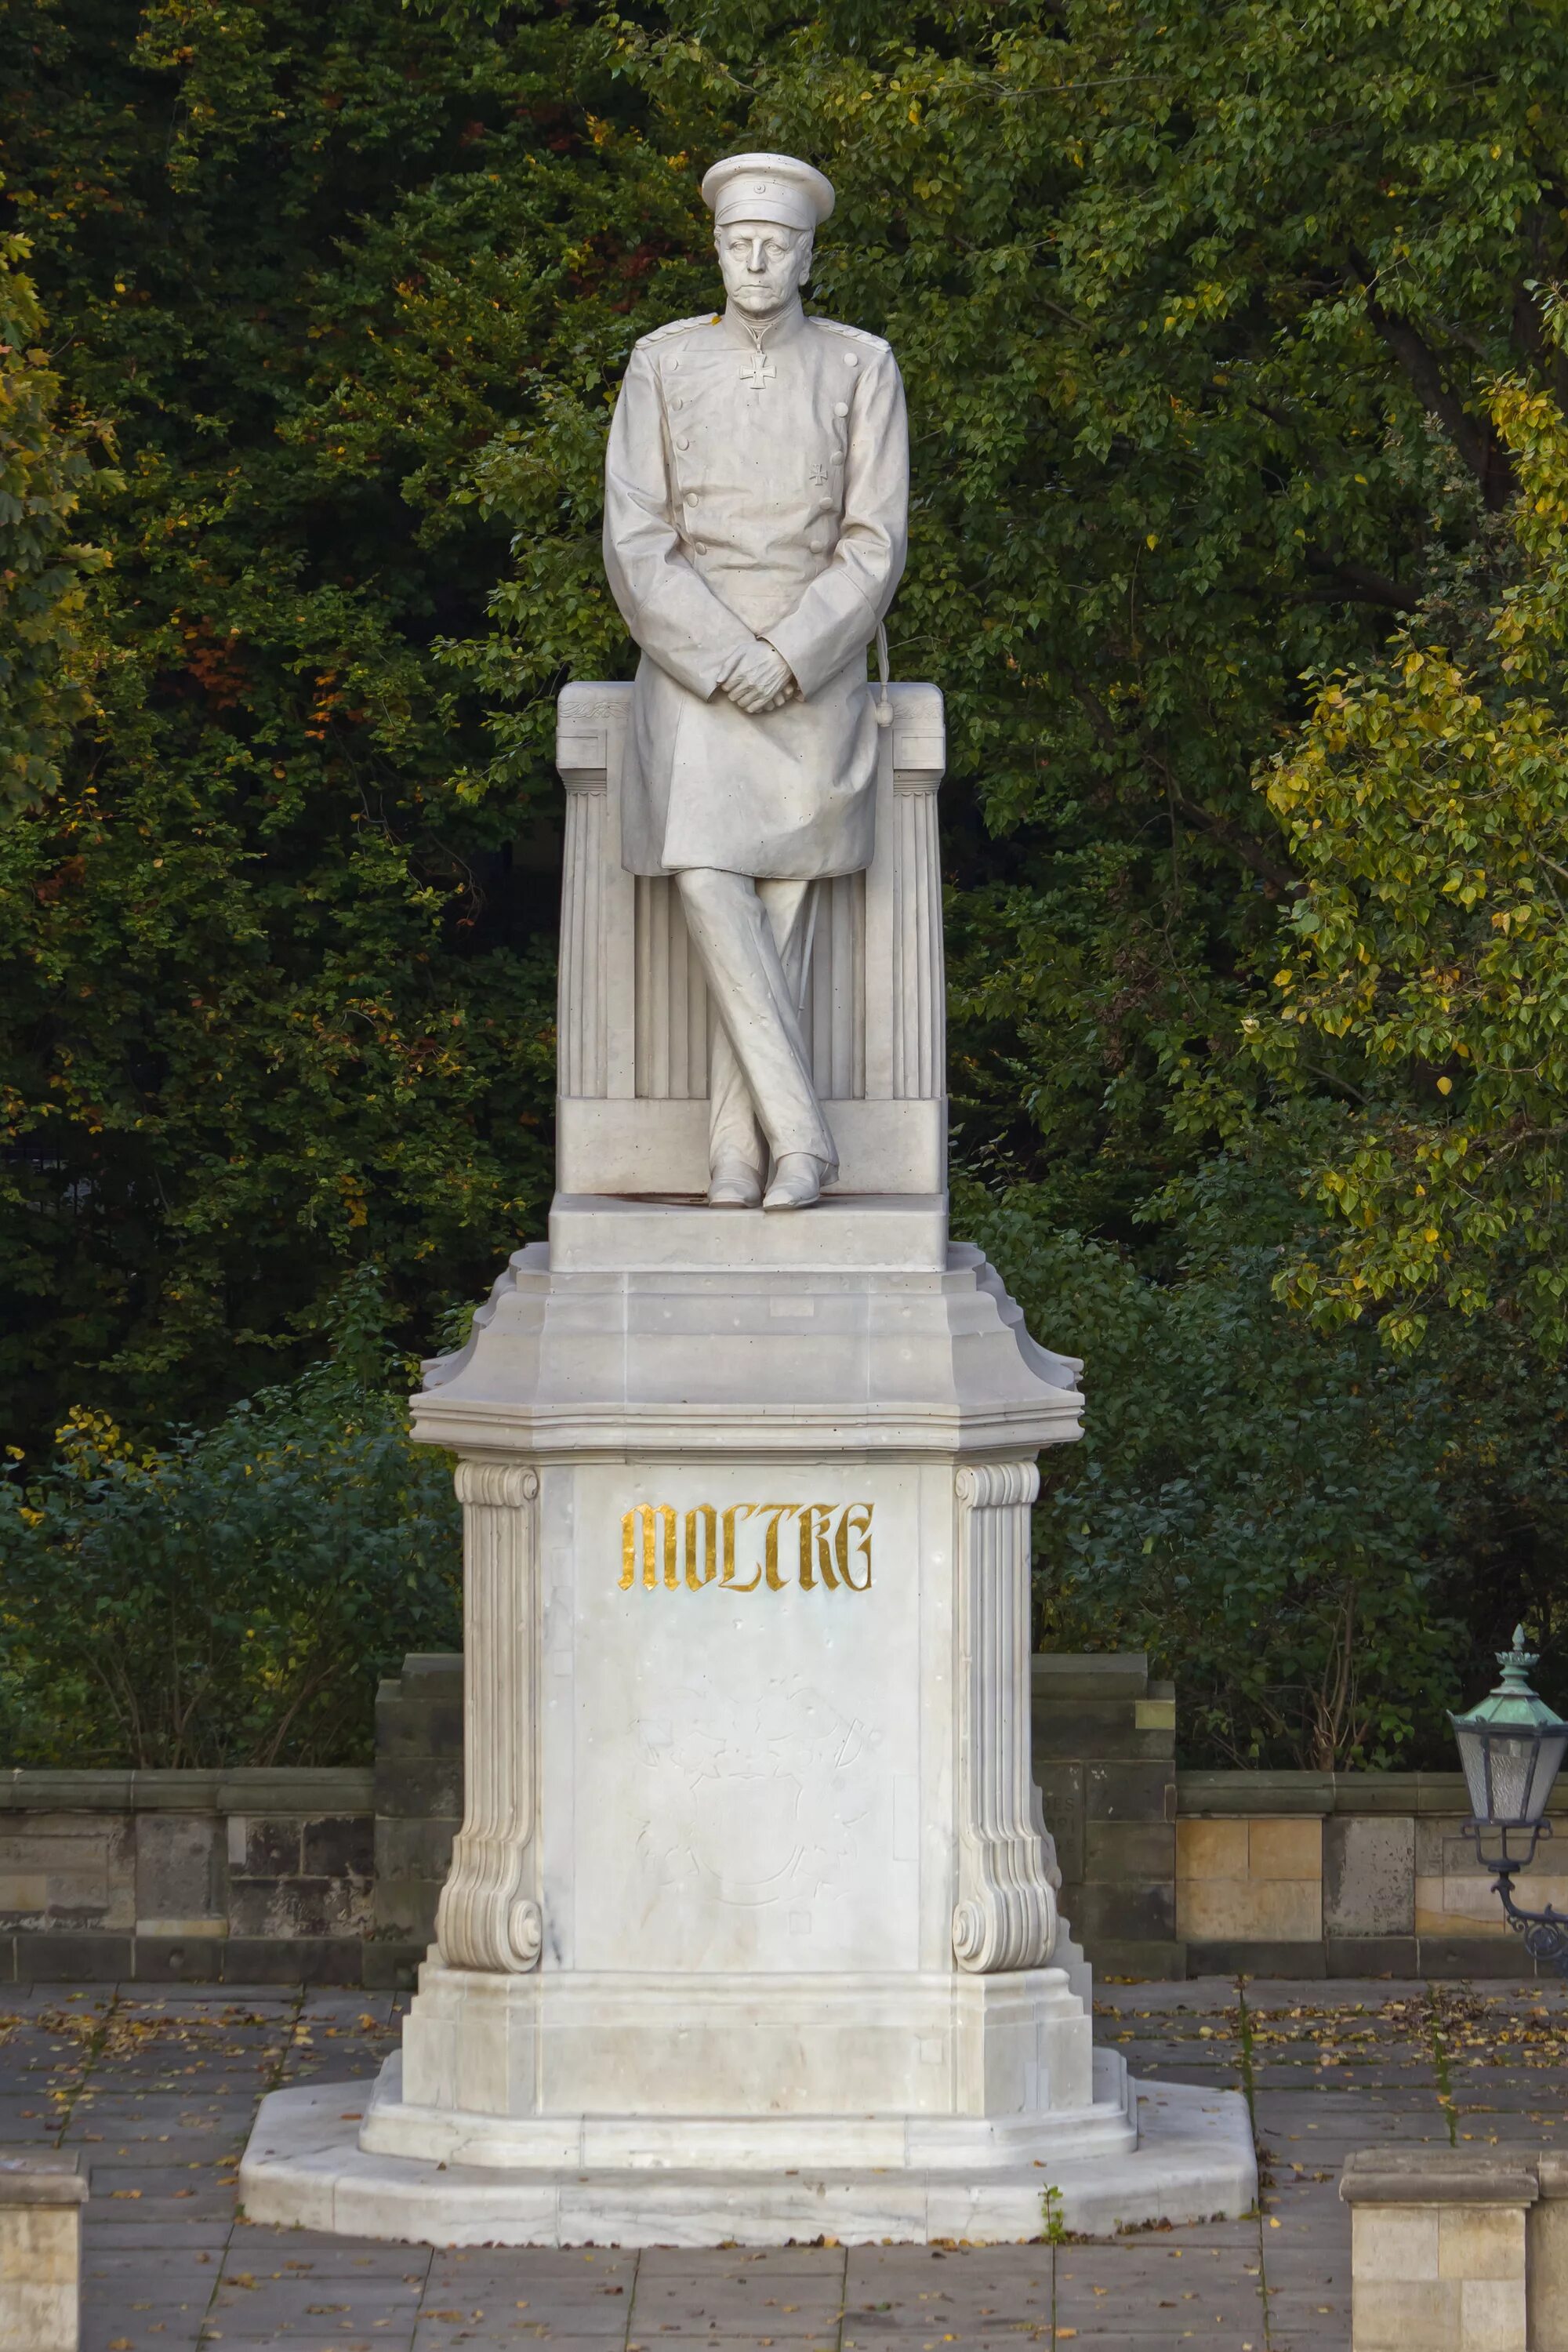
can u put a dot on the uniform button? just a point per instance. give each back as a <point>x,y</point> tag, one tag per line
<point>675,363</point>
<point>678,403</point>
<point>699,547</point>
<point>841,408</point>
<point>682,443</point>
<point>850,360</point>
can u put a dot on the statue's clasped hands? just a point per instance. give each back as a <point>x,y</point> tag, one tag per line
<point>759,680</point>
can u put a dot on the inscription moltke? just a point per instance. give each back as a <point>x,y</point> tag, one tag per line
<point>747,1547</point>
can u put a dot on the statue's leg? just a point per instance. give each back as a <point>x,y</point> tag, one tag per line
<point>734,1137</point>
<point>788,908</point>
<point>761,1073</point>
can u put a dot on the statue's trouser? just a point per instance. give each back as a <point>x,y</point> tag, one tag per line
<point>751,937</point>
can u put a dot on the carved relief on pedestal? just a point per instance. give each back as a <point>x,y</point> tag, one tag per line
<point>488,1917</point>
<point>1006,1913</point>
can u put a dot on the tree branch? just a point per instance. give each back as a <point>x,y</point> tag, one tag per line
<point>1360,586</point>
<point>1528,324</point>
<point>1475,441</point>
<point>1276,880</point>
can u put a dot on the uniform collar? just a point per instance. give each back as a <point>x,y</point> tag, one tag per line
<point>769,337</point>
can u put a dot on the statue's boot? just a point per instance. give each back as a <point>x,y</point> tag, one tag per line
<point>797,1181</point>
<point>734,1184</point>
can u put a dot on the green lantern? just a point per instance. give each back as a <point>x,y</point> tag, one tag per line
<point>1511,1746</point>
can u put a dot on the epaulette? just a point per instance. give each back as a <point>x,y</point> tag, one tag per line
<point>677,327</point>
<point>853,334</point>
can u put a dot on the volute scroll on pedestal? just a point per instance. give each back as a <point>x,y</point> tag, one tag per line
<point>488,1917</point>
<point>1005,1916</point>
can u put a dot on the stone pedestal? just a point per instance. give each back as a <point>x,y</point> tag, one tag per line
<point>750,1928</point>
<point>42,2193</point>
<point>1441,2249</point>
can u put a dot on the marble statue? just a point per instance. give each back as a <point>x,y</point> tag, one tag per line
<point>756,496</point>
<point>751,1931</point>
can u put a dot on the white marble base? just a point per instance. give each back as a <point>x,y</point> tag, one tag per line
<point>304,2167</point>
<point>635,1144</point>
<point>585,2065</point>
<point>684,1356</point>
<point>750,2138</point>
<point>845,1233</point>
<point>749,1931</point>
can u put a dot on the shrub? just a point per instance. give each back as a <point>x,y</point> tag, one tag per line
<point>1261,1506</point>
<point>234,1597</point>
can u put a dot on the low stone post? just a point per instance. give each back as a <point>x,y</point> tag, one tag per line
<point>1546,2255</point>
<point>41,2198</point>
<point>1437,2249</point>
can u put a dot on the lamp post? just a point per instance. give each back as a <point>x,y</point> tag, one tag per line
<point>1511,1746</point>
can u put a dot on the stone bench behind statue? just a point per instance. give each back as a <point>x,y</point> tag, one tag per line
<point>633,1016</point>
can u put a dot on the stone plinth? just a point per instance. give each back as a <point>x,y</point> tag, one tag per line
<point>1546,2255</point>
<point>1438,2249</point>
<point>41,2197</point>
<point>753,1874</point>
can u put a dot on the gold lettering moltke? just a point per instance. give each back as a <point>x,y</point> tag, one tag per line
<point>828,1544</point>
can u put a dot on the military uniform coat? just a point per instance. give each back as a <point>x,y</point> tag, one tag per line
<point>756,485</point>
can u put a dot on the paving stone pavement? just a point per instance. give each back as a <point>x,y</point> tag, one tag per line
<point>159,2089</point>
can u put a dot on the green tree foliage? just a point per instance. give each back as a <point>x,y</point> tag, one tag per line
<point>272,1001</point>
<point>1259,1510</point>
<point>1319,1539</point>
<point>1198,308</point>
<point>1426,806</point>
<point>43,661</point>
<point>231,1597</point>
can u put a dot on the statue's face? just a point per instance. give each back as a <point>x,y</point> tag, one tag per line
<point>765,266</point>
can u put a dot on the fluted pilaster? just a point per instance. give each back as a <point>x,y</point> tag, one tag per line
<point>835,1018</point>
<point>579,997</point>
<point>919,1021</point>
<point>672,998</point>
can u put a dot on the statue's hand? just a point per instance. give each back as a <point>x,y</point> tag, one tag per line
<point>759,680</point>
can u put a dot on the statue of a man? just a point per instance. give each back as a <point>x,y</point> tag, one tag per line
<point>755,515</point>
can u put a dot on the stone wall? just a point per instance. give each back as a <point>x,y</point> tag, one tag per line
<point>1350,1873</point>
<point>240,1877</point>
<point>1176,1873</point>
<point>268,1876</point>
<point>418,1792</point>
<point>245,1875</point>
<point>1104,1741</point>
